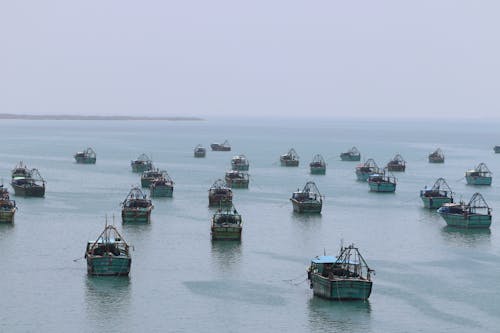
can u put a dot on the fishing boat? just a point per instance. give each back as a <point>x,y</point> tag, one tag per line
<point>318,165</point>
<point>32,185</point>
<point>382,182</point>
<point>220,194</point>
<point>149,176</point>
<point>162,187</point>
<point>109,254</point>
<point>496,149</point>
<point>437,156</point>
<point>87,156</point>
<point>136,207</point>
<point>363,171</point>
<point>7,207</point>
<point>221,146</point>
<point>475,214</point>
<point>226,224</point>
<point>351,155</point>
<point>397,164</point>
<point>199,151</point>
<point>290,159</point>
<point>480,175</point>
<point>237,179</point>
<point>240,163</point>
<point>141,164</point>
<point>346,277</point>
<point>439,194</point>
<point>309,200</point>
<point>20,170</point>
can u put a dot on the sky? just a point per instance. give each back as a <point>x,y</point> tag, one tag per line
<point>285,58</point>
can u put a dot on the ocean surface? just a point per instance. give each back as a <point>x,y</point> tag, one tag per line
<point>429,278</point>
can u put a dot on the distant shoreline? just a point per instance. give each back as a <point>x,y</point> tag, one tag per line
<point>71,117</point>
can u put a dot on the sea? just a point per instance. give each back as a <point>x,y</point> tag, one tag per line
<point>429,278</point>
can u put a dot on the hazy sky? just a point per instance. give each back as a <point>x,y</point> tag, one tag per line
<point>212,57</point>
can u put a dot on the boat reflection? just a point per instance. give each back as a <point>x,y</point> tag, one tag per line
<point>226,253</point>
<point>106,297</point>
<point>467,237</point>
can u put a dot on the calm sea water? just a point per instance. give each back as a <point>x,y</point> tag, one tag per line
<point>429,278</point>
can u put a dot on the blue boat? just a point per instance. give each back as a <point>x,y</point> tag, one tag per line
<point>141,164</point>
<point>237,179</point>
<point>240,163</point>
<point>149,176</point>
<point>317,165</point>
<point>363,171</point>
<point>480,175</point>
<point>475,214</point>
<point>136,207</point>
<point>27,183</point>
<point>382,182</point>
<point>87,156</point>
<point>290,159</point>
<point>226,224</point>
<point>346,277</point>
<point>309,200</point>
<point>220,194</point>
<point>199,151</point>
<point>351,155</point>
<point>162,187</point>
<point>439,194</point>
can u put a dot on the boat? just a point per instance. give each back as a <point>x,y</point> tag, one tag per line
<point>317,165</point>
<point>363,171</point>
<point>439,194</point>
<point>437,156</point>
<point>351,155</point>
<point>108,255</point>
<point>397,164</point>
<point>382,182</point>
<point>480,175</point>
<point>290,159</point>
<point>220,194</point>
<point>240,163</point>
<point>496,149</point>
<point>226,224</point>
<point>199,151</point>
<point>221,146</point>
<point>20,170</point>
<point>237,179</point>
<point>148,176</point>
<point>346,277</point>
<point>7,207</point>
<point>309,200</point>
<point>86,156</point>
<point>162,187</point>
<point>28,183</point>
<point>136,207</point>
<point>141,164</point>
<point>475,214</point>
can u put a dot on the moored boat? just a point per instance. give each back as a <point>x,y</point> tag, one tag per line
<point>480,175</point>
<point>148,176</point>
<point>226,224</point>
<point>436,156</point>
<point>87,156</point>
<point>352,154</point>
<point>225,146</point>
<point>7,207</point>
<point>199,151</point>
<point>237,179</point>
<point>382,182</point>
<point>496,149</point>
<point>438,195</point>
<point>27,183</point>
<point>162,187</point>
<point>397,164</point>
<point>240,163</point>
<point>136,207</point>
<point>317,165</point>
<point>363,171</point>
<point>307,200</point>
<point>290,159</point>
<point>141,164</point>
<point>109,254</point>
<point>475,214</point>
<point>220,194</point>
<point>346,277</point>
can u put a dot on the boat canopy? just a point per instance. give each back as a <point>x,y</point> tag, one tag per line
<point>482,170</point>
<point>88,152</point>
<point>219,184</point>
<point>239,159</point>
<point>291,155</point>
<point>143,158</point>
<point>135,194</point>
<point>397,160</point>
<point>318,160</point>
<point>438,153</point>
<point>369,165</point>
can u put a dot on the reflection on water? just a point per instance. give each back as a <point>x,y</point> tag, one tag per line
<point>107,296</point>
<point>467,237</point>
<point>308,218</point>
<point>337,316</point>
<point>226,253</point>
<point>6,229</point>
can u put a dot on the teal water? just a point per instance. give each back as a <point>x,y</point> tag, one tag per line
<point>429,278</point>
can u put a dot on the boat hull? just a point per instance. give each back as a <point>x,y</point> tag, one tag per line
<point>216,201</point>
<point>85,160</point>
<point>161,191</point>
<point>7,216</point>
<point>289,163</point>
<point>240,167</point>
<point>467,221</point>
<point>341,289</point>
<point>146,182</point>
<point>108,265</point>
<point>142,215</point>
<point>308,207</point>
<point>318,170</point>
<point>350,158</point>
<point>226,233</point>
<point>199,154</point>
<point>382,187</point>
<point>496,149</point>
<point>436,160</point>
<point>435,202</point>
<point>396,168</point>
<point>36,191</point>
<point>237,183</point>
<point>141,167</point>
<point>218,147</point>
<point>362,176</point>
<point>471,180</point>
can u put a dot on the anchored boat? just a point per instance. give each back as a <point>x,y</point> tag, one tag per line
<point>363,171</point>
<point>346,277</point>
<point>290,159</point>
<point>136,207</point>
<point>437,156</point>
<point>226,224</point>
<point>199,151</point>
<point>318,165</point>
<point>496,149</point>
<point>162,187</point>
<point>240,163</point>
<point>109,254</point>
<point>7,207</point>
<point>438,195</point>
<point>397,164</point>
<point>141,164</point>
<point>309,200</point>
<point>149,176</point>
<point>220,194</point>
<point>237,179</point>
<point>351,155</point>
<point>221,146</point>
<point>475,214</point>
<point>382,182</point>
<point>480,175</point>
<point>27,183</point>
<point>87,156</point>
